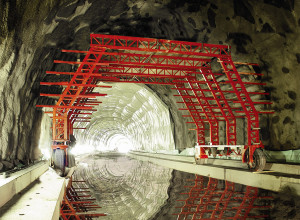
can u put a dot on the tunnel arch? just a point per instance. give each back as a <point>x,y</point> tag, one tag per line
<point>185,65</point>
<point>132,111</point>
<point>30,43</point>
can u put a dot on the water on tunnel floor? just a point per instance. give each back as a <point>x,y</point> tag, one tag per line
<point>130,189</point>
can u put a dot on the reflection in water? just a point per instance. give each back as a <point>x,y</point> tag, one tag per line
<point>209,198</point>
<point>126,189</point>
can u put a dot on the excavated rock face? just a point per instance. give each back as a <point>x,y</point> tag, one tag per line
<point>33,33</point>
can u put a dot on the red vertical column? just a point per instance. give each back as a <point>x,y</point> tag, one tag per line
<point>247,104</point>
<point>194,112</point>
<point>222,103</point>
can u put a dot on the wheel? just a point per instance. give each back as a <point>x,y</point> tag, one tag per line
<point>52,158</point>
<point>259,160</point>
<point>59,160</point>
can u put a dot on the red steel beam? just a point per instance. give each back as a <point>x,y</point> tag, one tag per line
<point>99,41</point>
<point>199,123</point>
<point>164,62</point>
<point>65,131</point>
<point>94,95</point>
<point>222,102</point>
<point>202,101</point>
<point>68,84</point>
<point>247,104</point>
<point>65,107</point>
<point>137,64</point>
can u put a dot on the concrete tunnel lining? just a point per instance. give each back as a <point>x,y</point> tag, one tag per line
<point>33,34</point>
<point>130,113</point>
<point>66,27</point>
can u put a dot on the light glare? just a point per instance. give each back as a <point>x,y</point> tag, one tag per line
<point>46,153</point>
<point>120,143</point>
<point>80,149</point>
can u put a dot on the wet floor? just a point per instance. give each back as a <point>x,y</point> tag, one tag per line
<point>130,189</point>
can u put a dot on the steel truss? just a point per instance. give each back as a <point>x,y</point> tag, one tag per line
<point>213,200</point>
<point>185,65</point>
<point>78,203</point>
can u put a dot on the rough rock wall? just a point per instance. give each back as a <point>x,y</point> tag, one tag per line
<point>33,32</point>
<point>22,60</point>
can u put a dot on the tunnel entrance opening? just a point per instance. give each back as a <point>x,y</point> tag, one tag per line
<point>208,95</point>
<point>120,143</point>
<point>116,142</point>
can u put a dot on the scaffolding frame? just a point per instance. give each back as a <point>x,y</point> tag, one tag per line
<point>212,200</point>
<point>78,203</point>
<point>181,64</point>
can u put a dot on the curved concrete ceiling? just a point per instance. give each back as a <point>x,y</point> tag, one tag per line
<point>264,32</point>
<point>130,117</point>
<point>32,34</point>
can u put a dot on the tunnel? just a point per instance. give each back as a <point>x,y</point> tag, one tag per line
<point>150,118</point>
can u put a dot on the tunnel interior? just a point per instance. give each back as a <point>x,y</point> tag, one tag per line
<point>139,117</point>
<point>131,117</point>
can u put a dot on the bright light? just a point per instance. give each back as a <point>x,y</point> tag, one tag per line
<point>120,143</point>
<point>124,147</point>
<point>116,142</point>
<point>46,153</point>
<point>82,149</point>
<point>84,165</point>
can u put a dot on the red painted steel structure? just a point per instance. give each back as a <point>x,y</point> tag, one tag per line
<point>212,200</point>
<point>189,50</point>
<point>185,65</point>
<point>77,203</point>
<point>77,96</point>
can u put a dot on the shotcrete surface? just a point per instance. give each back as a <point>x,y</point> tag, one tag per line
<point>130,117</point>
<point>33,33</point>
<point>262,32</point>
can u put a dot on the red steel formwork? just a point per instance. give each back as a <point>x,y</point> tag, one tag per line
<point>213,200</point>
<point>77,203</point>
<point>166,54</point>
<point>76,99</point>
<point>185,65</point>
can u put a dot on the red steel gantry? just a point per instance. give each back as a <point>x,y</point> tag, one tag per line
<point>78,203</point>
<point>185,65</point>
<point>214,199</point>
